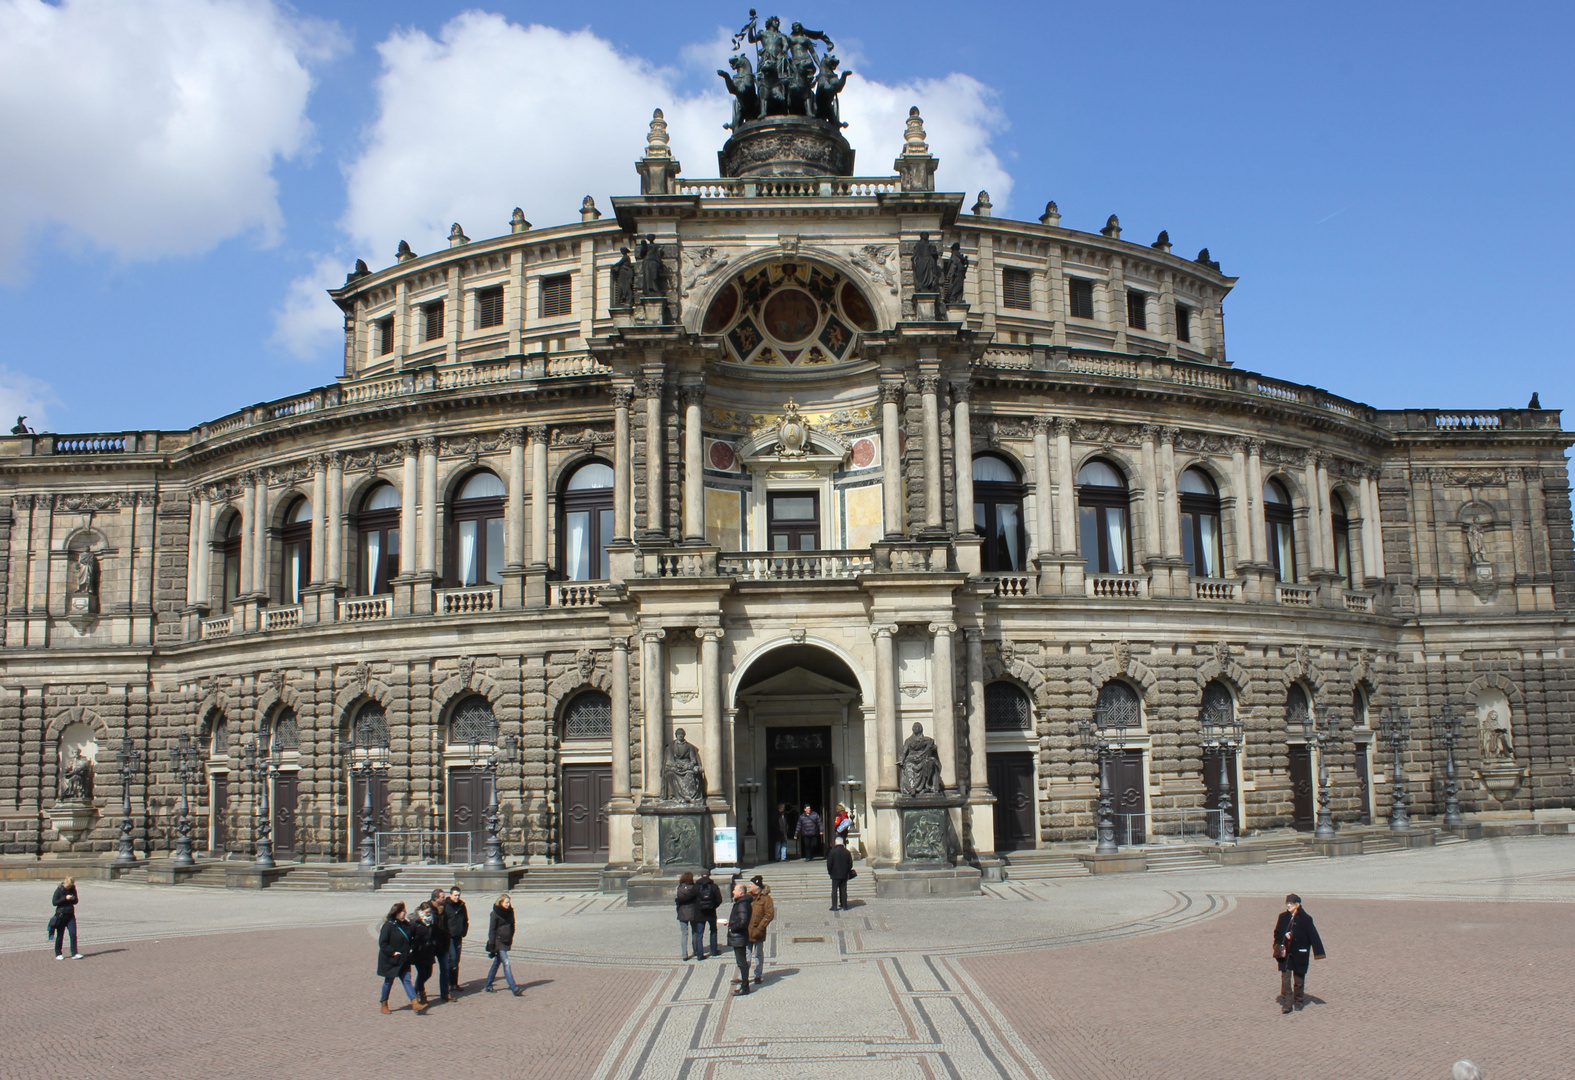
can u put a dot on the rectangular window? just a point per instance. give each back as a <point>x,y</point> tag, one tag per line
<point>1137,309</point>
<point>432,321</point>
<point>556,299</point>
<point>1081,291</point>
<point>1017,288</point>
<point>385,335</point>
<point>489,307</point>
<point>1183,323</point>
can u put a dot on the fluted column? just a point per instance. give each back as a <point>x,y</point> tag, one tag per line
<point>1243,512</point>
<point>711,711</point>
<point>942,676</point>
<point>655,490</point>
<point>1260,541</point>
<point>886,705</point>
<point>205,548</point>
<point>1325,513</point>
<point>334,572</point>
<point>1315,514</point>
<point>653,680</point>
<point>622,397</point>
<point>891,460</point>
<point>319,516</point>
<point>1044,540</point>
<point>1149,469</point>
<point>260,510</point>
<point>962,457</point>
<point>620,718</point>
<point>929,390</point>
<point>193,536</point>
<point>978,764</point>
<point>1171,493</point>
<point>1067,503</point>
<point>248,515</point>
<point>429,505</point>
<point>694,476</point>
<point>407,509</point>
<point>514,507</point>
<point>538,495</point>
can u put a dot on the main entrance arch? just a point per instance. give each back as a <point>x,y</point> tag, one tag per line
<point>799,737</point>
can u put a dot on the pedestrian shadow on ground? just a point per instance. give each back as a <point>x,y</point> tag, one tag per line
<point>102,952</point>
<point>536,982</point>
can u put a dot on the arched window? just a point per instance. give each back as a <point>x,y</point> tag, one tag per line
<point>1218,706</point>
<point>295,541</point>
<point>998,513</point>
<point>476,523</point>
<point>588,716</point>
<point>1102,519</point>
<point>219,741</point>
<point>1358,708</point>
<point>1200,524</point>
<point>378,527</point>
<point>587,522</point>
<point>1006,708</point>
<point>232,560</point>
<point>1340,526</point>
<point>286,732</point>
<point>1298,710</point>
<point>473,722</point>
<point>370,729</point>
<point>1118,707</point>
<point>1278,530</point>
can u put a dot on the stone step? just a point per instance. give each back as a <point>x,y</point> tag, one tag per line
<point>1162,861</point>
<point>1041,865</point>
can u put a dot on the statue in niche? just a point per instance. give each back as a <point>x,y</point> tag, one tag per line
<point>1476,544</point>
<point>77,784</point>
<point>650,268</point>
<point>1498,741</point>
<point>955,272</point>
<point>84,583</point>
<point>623,280</point>
<point>683,780</point>
<point>926,266</point>
<point>741,84</point>
<point>919,765</point>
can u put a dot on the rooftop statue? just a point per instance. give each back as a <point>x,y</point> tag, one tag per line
<point>788,78</point>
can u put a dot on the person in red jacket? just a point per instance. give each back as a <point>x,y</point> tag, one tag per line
<point>1296,943</point>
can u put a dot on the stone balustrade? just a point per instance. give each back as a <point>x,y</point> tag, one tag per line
<point>366,608</point>
<point>470,601</point>
<point>219,627</point>
<point>1296,595</point>
<point>796,565</point>
<point>1116,586</point>
<point>281,618</point>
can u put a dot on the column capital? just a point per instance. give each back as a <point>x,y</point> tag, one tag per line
<point>929,384</point>
<point>536,433</point>
<point>620,644</point>
<point>408,447</point>
<point>891,392</point>
<point>320,463</point>
<point>656,634</point>
<point>974,634</point>
<point>1148,432</point>
<point>515,436</point>
<point>250,478</point>
<point>1254,446</point>
<point>943,629</point>
<point>654,387</point>
<point>1064,426</point>
<point>710,633</point>
<point>336,459</point>
<point>1043,424</point>
<point>429,445</point>
<point>1168,434</point>
<point>622,397</point>
<point>962,392</point>
<point>883,630</point>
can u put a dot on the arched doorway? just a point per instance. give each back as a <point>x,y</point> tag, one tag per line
<point>799,738</point>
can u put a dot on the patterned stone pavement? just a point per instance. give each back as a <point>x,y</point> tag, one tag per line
<point>1434,955</point>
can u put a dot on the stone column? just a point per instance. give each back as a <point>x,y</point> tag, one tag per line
<point>653,680</point>
<point>1172,493</point>
<point>1374,514</point>
<point>1316,515</point>
<point>1243,503</point>
<point>694,477</point>
<point>407,509</point>
<point>962,457</point>
<point>429,506</point>
<point>1044,540</point>
<point>655,490</point>
<point>717,784</point>
<point>622,397</point>
<point>886,706</point>
<point>260,536</point>
<point>1067,503</point>
<point>934,516</point>
<point>620,718</point>
<point>978,765</point>
<point>204,549</point>
<point>1260,540</point>
<point>194,533</point>
<point>320,524</point>
<point>538,495</point>
<point>1325,513</point>
<point>893,503</point>
<point>514,507</point>
<point>1149,470</point>
<point>335,570</point>
<point>942,674</point>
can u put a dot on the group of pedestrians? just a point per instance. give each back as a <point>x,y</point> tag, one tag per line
<point>808,828</point>
<point>412,945</point>
<point>753,910</point>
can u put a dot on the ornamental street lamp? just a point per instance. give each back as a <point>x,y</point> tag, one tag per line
<point>1448,728</point>
<point>1096,746</point>
<point>365,760</point>
<point>258,763</point>
<point>746,792</point>
<point>1394,728</point>
<point>1223,734</point>
<point>487,762</point>
<point>1321,737</point>
<point>183,758</point>
<point>129,760</point>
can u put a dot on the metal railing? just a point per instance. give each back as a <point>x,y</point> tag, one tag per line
<point>1196,822</point>
<point>423,846</point>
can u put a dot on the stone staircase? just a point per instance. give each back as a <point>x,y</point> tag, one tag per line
<point>798,880</point>
<point>1166,860</point>
<point>1041,865</point>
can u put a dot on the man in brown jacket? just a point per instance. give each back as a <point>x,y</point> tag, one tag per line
<point>761,914</point>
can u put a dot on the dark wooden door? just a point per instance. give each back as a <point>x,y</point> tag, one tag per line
<point>1012,783</point>
<point>285,795</point>
<point>380,818</point>
<point>587,789</point>
<point>1364,783</point>
<point>469,792</point>
<point>1126,792</point>
<point>1301,787</point>
<point>219,814</point>
<point>1211,789</point>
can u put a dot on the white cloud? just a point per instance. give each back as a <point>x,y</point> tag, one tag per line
<point>23,395</point>
<point>491,114</point>
<point>148,127</point>
<point>308,323</point>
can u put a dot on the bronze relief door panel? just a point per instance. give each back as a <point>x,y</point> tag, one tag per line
<point>1012,784</point>
<point>286,792</point>
<point>587,790</point>
<point>469,792</point>
<point>1301,787</point>
<point>219,814</point>
<point>1126,795</point>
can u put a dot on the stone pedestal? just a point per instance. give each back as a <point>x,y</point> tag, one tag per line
<point>1415,838</point>
<point>1339,846</point>
<point>786,146</point>
<point>928,831</point>
<point>683,837</point>
<point>490,882</point>
<point>248,876</point>
<point>1115,862</point>
<point>1502,778</point>
<point>355,879</point>
<point>918,883</point>
<point>1236,854</point>
<point>72,819</point>
<point>167,873</point>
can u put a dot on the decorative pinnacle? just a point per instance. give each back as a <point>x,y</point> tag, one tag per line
<point>656,138</point>
<point>1112,228</point>
<point>913,144</point>
<point>588,211</point>
<point>517,223</point>
<point>456,236</point>
<point>1052,214</point>
<point>1162,242</point>
<point>404,254</point>
<point>982,207</point>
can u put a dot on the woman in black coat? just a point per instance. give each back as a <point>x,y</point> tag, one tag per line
<point>393,956</point>
<point>500,939</point>
<point>691,927</point>
<point>1296,942</point>
<point>65,917</point>
<point>738,933</point>
<point>422,954</point>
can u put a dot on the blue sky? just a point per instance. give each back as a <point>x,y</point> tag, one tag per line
<point>1391,182</point>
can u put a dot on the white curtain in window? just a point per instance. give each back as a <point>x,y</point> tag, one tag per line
<point>1211,544</point>
<point>1287,552</point>
<point>1116,534</point>
<point>1011,530</point>
<point>374,555</point>
<point>467,553</point>
<point>578,546</point>
<point>292,576</point>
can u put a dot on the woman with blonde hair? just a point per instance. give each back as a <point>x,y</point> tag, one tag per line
<point>65,918</point>
<point>500,939</point>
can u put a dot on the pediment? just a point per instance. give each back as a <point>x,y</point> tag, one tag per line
<point>799,682</point>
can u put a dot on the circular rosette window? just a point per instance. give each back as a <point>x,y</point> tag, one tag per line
<point>790,314</point>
